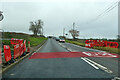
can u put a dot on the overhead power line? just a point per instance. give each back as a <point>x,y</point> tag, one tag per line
<point>111,7</point>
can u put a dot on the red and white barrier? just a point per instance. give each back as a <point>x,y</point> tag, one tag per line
<point>7,53</point>
<point>92,43</point>
<point>16,51</point>
<point>24,46</point>
<point>28,49</point>
<point>19,49</point>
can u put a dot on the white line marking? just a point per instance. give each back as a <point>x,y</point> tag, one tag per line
<point>96,63</point>
<point>33,53</point>
<point>36,50</point>
<point>100,66</point>
<point>12,74</point>
<point>90,63</point>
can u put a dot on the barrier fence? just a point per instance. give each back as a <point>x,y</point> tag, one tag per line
<point>102,43</point>
<point>19,49</point>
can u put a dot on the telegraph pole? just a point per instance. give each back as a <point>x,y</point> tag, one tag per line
<point>73,25</point>
<point>42,31</point>
<point>63,31</point>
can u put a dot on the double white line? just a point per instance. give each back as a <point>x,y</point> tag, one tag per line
<point>96,65</point>
<point>91,62</point>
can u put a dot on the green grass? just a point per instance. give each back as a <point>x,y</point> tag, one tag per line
<point>75,42</point>
<point>108,49</point>
<point>36,41</point>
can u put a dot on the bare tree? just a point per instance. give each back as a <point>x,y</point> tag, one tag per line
<point>36,27</point>
<point>74,33</point>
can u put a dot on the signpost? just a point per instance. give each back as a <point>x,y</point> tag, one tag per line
<point>1,16</point>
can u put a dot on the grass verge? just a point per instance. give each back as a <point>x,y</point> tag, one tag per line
<point>108,49</point>
<point>34,41</point>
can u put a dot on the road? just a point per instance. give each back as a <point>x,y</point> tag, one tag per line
<point>55,67</point>
<point>110,63</point>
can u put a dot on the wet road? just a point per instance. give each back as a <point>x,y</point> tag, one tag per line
<point>110,63</point>
<point>55,67</point>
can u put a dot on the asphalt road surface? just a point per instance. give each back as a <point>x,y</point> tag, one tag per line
<point>110,63</point>
<point>55,67</point>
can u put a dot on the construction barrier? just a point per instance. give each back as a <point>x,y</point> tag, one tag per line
<point>18,50</point>
<point>24,46</point>
<point>7,53</point>
<point>92,43</point>
<point>28,49</point>
<point>21,47</point>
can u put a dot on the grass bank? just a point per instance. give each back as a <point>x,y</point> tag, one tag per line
<point>34,41</point>
<point>108,49</point>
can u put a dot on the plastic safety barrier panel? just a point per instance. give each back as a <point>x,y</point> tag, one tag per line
<point>21,49</point>
<point>24,45</point>
<point>92,43</point>
<point>16,41</point>
<point>7,53</point>
<point>16,51</point>
<point>28,49</point>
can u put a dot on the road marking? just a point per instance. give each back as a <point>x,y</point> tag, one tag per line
<point>90,63</point>
<point>36,50</point>
<point>33,53</point>
<point>116,78</point>
<point>100,66</point>
<point>12,74</point>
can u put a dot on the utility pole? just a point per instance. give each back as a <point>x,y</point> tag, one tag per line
<point>63,31</point>
<point>42,31</point>
<point>73,25</point>
<point>73,30</point>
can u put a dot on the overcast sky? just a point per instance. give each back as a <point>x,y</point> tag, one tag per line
<point>59,14</point>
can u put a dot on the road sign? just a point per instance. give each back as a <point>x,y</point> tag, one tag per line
<point>1,16</point>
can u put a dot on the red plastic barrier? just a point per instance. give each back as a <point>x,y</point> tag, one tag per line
<point>24,45</point>
<point>16,51</point>
<point>16,41</point>
<point>21,48</point>
<point>116,45</point>
<point>92,43</point>
<point>7,53</point>
<point>87,44</point>
<point>112,44</point>
<point>28,49</point>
